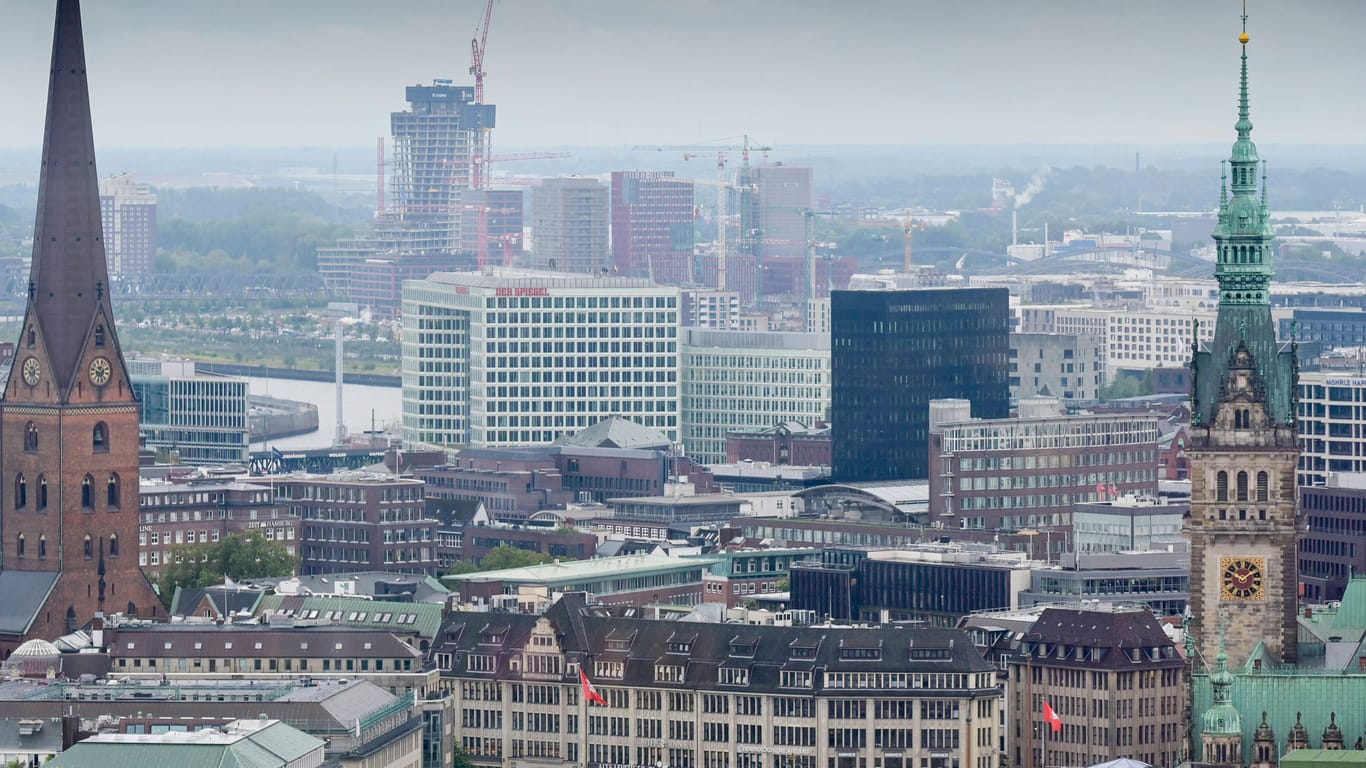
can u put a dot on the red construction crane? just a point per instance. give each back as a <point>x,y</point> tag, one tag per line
<point>477,54</point>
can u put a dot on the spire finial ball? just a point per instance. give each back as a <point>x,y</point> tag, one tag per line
<point>1243,38</point>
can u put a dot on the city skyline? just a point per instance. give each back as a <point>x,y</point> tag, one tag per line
<point>918,73</point>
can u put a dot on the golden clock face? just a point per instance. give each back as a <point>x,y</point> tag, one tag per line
<point>99,371</point>
<point>33,371</point>
<point>1242,578</point>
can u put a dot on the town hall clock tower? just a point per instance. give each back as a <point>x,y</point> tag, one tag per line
<point>1244,521</point>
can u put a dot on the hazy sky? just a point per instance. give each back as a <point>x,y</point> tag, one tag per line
<point>622,72</point>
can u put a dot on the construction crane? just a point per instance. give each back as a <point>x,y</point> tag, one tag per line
<point>477,53</point>
<point>690,151</point>
<point>810,214</point>
<point>481,149</point>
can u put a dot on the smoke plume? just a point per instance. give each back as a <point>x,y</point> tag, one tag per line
<point>1034,187</point>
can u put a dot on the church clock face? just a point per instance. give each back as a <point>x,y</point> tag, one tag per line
<point>99,371</point>
<point>1242,578</point>
<point>33,371</point>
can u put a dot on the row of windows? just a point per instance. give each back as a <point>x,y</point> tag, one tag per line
<point>111,493</point>
<point>88,546</point>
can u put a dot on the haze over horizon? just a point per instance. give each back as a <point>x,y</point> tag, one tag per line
<point>613,73</point>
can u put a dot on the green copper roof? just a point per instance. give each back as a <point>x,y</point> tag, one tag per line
<point>1352,608</point>
<point>1222,717</point>
<point>1245,245</point>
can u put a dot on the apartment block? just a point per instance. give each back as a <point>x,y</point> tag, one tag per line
<point>569,226</point>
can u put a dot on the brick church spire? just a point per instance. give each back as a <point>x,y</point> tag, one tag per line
<point>69,277</point>
<point>68,417</point>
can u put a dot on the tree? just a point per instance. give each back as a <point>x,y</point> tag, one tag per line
<point>237,556</point>
<point>498,558</point>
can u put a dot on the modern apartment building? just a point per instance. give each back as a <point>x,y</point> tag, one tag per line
<point>191,416</point>
<point>892,352</point>
<point>652,226</point>
<point>711,308</point>
<point>774,201</point>
<point>128,211</point>
<point>509,357</point>
<point>715,695</point>
<point>569,226</point>
<point>736,380</point>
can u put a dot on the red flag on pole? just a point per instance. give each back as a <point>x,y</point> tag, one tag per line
<point>590,694</point>
<point>1100,490</point>
<point>1051,717</point>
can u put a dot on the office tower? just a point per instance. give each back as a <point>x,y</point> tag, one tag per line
<point>652,226</point>
<point>735,380</point>
<point>69,418</point>
<point>128,211</point>
<point>517,357</point>
<point>773,205</point>
<point>1244,523</point>
<point>892,352</point>
<point>569,226</point>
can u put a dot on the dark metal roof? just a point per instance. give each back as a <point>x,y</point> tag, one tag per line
<point>25,592</point>
<point>766,651</point>
<point>1098,639</point>
<point>69,276</point>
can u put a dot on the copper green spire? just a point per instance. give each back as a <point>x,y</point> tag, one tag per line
<point>1244,245</point>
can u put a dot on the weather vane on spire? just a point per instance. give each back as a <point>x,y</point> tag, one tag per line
<point>1243,38</point>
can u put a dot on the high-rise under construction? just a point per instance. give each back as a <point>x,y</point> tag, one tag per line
<point>432,168</point>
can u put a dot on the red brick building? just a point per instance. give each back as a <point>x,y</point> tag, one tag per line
<point>181,513</point>
<point>69,419</point>
<point>790,442</point>
<point>360,521</point>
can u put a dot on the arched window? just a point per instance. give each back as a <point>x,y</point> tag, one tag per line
<point>42,547</point>
<point>99,335</point>
<point>99,438</point>
<point>1242,486</point>
<point>87,492</point>
<point>111,492</point>
<point>1263,487</point>
<point>42,493</point>
<point>88,547</point>
<point>20,545</point>
<point>1221,486</point>
<point>32,338</point>
<point>31,438</point>
<point>20,491</point>
<point>113,545</point>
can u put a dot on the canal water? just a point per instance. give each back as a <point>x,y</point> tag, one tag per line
<point>362,406</point>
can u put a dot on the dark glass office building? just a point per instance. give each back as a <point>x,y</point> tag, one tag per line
<point>892,352</point>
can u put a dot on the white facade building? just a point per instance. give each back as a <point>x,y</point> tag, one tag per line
<point>520,357</point>
<point>1332,421</point>
<point>1135,339</point>
<point>736,380</point>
